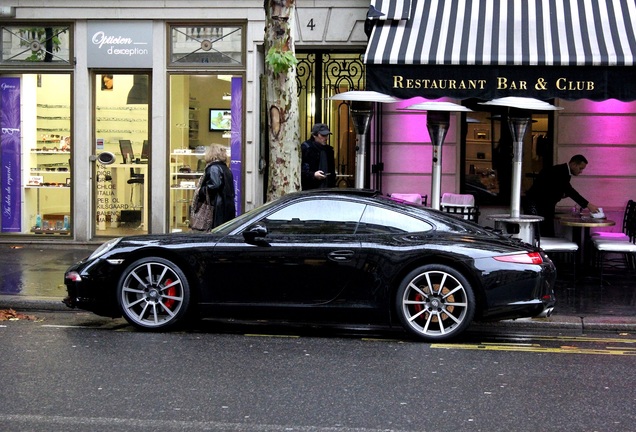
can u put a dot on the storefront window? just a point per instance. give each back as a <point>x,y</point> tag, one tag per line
<point>36,153</point>
<point>121,130</point>
<point>25,44</point>
<point>204,110</point>
<point>211,45</point>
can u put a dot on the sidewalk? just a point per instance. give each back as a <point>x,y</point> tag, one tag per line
<point>32,279</point>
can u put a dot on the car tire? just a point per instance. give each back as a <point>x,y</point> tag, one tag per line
<point>435,302</point>
<point>153,294</point>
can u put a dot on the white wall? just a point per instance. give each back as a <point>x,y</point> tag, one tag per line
<point>605,133</point>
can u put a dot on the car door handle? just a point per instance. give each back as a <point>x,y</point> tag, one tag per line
<point>341,255</point>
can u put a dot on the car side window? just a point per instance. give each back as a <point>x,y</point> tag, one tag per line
<point>324,216</point>
<point>378,220</point>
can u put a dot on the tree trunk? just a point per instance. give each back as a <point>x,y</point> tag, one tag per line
<point>282,100</point>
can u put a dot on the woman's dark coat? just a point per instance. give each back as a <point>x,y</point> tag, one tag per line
<point>218,183</point>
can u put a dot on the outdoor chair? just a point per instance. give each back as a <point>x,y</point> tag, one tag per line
<point>460,205</point>
<point>624,251</point>
<point>623,235</point>
<point>411,197</point>
<point>564,254</point>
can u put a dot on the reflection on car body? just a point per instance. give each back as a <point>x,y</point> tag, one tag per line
<point>323,255</point>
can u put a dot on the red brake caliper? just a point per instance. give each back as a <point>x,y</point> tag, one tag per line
<point>418,307</point>
<point>172,291</point>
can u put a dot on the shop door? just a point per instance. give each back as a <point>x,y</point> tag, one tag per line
<point>123,148</point>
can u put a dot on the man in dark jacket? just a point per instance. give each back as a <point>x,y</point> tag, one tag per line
<point>318,166</point>
<point>550,187</point>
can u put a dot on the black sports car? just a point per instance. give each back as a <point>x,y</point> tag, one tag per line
<point>333,255</point>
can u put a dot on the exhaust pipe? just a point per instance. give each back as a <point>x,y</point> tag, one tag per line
<point>546,312</point>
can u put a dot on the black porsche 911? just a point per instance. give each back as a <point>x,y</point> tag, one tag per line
<point>333,255</point>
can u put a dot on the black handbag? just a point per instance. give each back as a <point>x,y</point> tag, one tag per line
<point>201,212</point>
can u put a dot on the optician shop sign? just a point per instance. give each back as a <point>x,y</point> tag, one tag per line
<point>119,44</point>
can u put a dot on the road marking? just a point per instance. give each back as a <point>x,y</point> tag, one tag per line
<point>537,349</point>
<point>526,346</point>
<point>511,344</point>
<point>46,422</point>
<point>577,339</point>
<point>382,340</point>
<point>106,326</point>
<point>67,326</point>
<point>270,335</point>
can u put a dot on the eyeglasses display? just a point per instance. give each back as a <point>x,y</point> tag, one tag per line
<point>47,197</point>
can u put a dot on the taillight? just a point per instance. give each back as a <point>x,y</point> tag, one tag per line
<point>524,258</point>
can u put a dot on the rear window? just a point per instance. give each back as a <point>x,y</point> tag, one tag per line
<point>378,220</point>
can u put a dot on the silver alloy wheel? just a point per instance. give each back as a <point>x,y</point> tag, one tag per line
<point>153,293</point>
<point>435,302</point>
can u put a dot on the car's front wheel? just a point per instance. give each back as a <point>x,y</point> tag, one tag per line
<point>435,302</point>
<point>153,294</point>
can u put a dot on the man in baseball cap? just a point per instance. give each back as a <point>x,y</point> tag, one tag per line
<point>318,166</point>
<point>320,128</point>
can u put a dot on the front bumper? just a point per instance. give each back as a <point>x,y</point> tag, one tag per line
<point>97,295</point>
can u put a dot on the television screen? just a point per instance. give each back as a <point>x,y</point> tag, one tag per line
<point>220,119</point>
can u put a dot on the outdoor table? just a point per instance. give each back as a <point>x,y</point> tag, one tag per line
<point>581,225</point>
<point>526,223</point>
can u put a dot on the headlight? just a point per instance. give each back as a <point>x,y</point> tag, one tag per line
<point>105,247</point>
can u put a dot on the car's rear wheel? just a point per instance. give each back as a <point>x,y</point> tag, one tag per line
<point>153,294</point>
<point>435,302</point>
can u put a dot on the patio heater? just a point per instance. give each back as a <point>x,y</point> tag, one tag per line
<point>361,111</point>
<point>437,121</point>
<point>519,116</point>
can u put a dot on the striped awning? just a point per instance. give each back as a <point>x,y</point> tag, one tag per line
<point>510,34</point>
<point>389,10</point>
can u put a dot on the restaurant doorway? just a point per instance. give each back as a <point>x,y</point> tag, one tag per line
<point>321,75</point>
<point>487,153</point>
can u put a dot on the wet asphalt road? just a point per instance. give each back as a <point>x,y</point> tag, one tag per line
<point>69,371</point>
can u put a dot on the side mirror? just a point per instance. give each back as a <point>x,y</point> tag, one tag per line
<point>256,235</point>
<point>104,158</point>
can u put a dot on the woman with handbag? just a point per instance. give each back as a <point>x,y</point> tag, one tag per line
<point>213,201</point>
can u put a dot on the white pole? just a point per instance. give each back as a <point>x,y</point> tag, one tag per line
<point>518,127</point>
<point>361,113</point>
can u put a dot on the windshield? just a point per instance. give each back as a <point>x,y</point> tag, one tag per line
<point>239,221</point>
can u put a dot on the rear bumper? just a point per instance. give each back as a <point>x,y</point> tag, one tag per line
<point>528,297</point>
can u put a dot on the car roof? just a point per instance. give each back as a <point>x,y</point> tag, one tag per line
<point>339,191</point>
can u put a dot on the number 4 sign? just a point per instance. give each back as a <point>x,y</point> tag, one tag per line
<point>313,23</point>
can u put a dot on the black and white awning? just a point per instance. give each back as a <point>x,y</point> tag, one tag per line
<point>494,48</point>
<point>389,10</point>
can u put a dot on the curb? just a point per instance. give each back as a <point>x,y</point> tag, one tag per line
<point>26,303</point>
<point>568,322</point>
